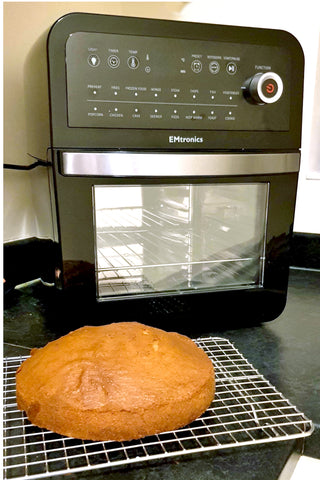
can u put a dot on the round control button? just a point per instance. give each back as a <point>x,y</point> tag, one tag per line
<point>93,60</point>
<point>263,88</point>
<point>214,67</point>
<point>269,87</point>
<point>196,66</point>
<point>231,68</point>
<point>113,61</point>
<point>133,62</point>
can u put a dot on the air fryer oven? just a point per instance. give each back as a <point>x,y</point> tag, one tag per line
<point>175,150</point>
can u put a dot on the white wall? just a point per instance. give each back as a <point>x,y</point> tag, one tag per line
<point>302,19</point>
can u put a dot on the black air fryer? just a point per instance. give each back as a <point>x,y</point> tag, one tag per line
<point>176,151</point>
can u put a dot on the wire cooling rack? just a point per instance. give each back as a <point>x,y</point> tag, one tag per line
<point>246,410</point>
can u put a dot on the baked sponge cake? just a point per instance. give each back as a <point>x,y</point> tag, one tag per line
<point>121,381</point>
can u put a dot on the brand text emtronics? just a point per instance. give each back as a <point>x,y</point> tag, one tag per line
<point>179,139</point>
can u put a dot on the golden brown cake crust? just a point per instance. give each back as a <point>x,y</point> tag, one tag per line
<point>120,381</point>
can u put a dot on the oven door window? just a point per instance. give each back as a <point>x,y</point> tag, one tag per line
<point>166,239</point>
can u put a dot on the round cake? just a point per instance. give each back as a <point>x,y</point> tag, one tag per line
<point>121,381</point>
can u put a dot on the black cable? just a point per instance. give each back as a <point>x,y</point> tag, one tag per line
<point>25,167</point>
<point>38,163</point>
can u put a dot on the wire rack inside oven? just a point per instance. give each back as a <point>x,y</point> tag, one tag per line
<point>246,410</point>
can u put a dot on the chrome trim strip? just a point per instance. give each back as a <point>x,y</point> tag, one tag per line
<point>124,164</point>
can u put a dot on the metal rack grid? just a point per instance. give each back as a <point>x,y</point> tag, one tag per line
<point>122,274</point>
<point>128,248</point>
<point>247,410</point>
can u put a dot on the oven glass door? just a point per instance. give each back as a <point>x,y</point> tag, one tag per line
<point>184,238</point>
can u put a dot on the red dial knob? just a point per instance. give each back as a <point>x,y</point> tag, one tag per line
<point>263,88</point>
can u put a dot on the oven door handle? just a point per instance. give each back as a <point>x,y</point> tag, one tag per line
<point>125,164</point>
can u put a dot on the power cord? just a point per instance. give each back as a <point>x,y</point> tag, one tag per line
<point>39,163</point>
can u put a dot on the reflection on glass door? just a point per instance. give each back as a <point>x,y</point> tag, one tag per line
<point>179,238</point>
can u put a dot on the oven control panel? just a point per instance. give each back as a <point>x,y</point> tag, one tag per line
<point>129,81</point>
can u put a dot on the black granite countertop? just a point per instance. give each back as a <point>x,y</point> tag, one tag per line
<point>286,351</point>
